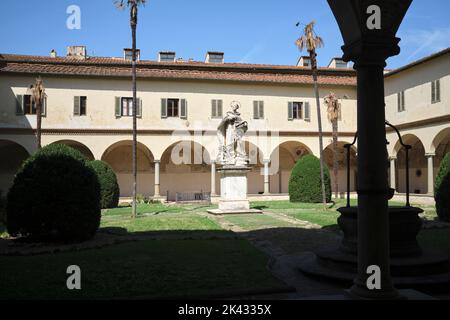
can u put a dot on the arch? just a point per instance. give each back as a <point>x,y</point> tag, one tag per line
<point>282,161</point>
<point>185,168</point>
<point>13,155</point>
<point>256,175</point>
<point>339,186</point>
<point>119,157</point>
<point>78,146</point>
<point>417,165</point>
<point>443,137</point>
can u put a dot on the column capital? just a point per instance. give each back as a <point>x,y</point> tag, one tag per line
<point>157,161</point>
<point>266,161</point>
<point>430,155</point>
<point>392,158</point>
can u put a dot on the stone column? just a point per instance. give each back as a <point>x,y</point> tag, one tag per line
<point>157,179</point>
<point>266,177</point>
<point>213,179</point>
<point>392,172</point>
<point>430,157</point>
<point>373,186</point>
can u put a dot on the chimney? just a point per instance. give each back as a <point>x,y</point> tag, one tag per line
<point>304,61</point>
<point>166,56</point>
<point>214,57</point>
<point>53,53</point>
<point>338,63</point>
<point>78,52</point>
<point>128,54</point>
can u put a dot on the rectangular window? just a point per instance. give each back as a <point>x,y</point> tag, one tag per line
<point>173,108</point>
<point>435,91</point>
<point>127,107</point>
<point>79,106</point>
<point>258,109</point>
<point>29,107</point>
<point>216,109</point>
<point>297,110</point>
<point>401,101</point>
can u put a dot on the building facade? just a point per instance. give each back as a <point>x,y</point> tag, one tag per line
<point>181,103</point>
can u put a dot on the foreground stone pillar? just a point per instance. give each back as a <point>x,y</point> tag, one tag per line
<point>157,179</point>
<point>213,179</point>
<point>373,188</point>
<point>266,177</point>
<point>392,172</point>
<point>369,31</point>
<point>430,157</point>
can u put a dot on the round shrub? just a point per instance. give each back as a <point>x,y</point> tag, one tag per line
<point>304,183</point>
<point>109,188</point>
<point>442,190</point>
<point>55,196</point>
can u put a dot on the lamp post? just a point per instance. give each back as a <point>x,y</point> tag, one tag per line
<point>368,29</point>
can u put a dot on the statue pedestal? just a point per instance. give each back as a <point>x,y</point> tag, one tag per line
<point>233,189</point>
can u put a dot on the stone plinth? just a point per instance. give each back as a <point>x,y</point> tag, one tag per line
<point>233,189</point>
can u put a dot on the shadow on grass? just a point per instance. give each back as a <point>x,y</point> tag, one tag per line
<point>158,265</point>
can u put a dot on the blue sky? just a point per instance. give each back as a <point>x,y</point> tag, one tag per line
<point>253,31</point>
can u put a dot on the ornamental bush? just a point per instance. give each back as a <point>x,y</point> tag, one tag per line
<point>109,188</point>
<point>55,196</point>
<point>442,190</point>
<point>304,183</point>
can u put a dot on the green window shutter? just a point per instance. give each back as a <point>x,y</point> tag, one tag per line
<point>220,109</point>
<point>76,105</point>
<point>118,107</point>
<point>213,108</point>
<point>261,109</point>
<point>399,102</point>
<point>163,108</point>
<point>255,110</point>
<point>403,101</point>
<point>19,104</point>
<point>433,92</point>
<point>438,90</point>
<point>139,108</point>
<point>307,111</point>
<point>290,111</point>
<point>44,107</point>
<point>183,109</point>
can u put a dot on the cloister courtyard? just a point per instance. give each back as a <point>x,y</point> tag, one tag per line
<point>179,251</point>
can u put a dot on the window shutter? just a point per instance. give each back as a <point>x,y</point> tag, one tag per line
<point>261,110</point>
<point>403,101</point>
<point>76,106</point>
<point>220,109</point>
<point>213,108</point>
<point>307,112</point>
<point>139,108</point>
<point>255,110</point>
<point>118,107</point>
<point>433,92</point>
<point>438,90</point>
<point>183,112</point>
<point>290,111</point>
<point>399,102</point>
<point>163,108</point>
<point>44,107</point>
<point>19,104</point>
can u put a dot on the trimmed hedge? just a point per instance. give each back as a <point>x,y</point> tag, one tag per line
<point>109,188</point>
<point>55,196</point>
<point>304,183</point>
<point>442,190</point>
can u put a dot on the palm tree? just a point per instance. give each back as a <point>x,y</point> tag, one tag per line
<point>37,92</point>
<point>311,42</point>
<point>333,109</point>
<point>133,5</point>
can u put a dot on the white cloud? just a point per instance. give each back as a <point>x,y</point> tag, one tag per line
<point>426,41</point>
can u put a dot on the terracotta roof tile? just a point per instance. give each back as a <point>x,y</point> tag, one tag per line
<point>188,70</point>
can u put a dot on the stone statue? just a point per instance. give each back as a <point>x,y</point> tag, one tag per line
<point>230,134</point>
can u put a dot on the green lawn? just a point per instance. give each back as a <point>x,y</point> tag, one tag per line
<point>150,268</point>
